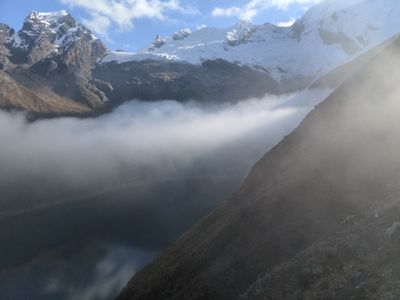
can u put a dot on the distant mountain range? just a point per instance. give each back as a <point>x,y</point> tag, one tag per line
<point>66,70</point>
<point>328,35</point>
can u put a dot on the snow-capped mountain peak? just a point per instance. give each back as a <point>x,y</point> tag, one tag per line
<point>39,23</point>
<point>47,17</point>
<point>44,33</point>
<point>329,34</point>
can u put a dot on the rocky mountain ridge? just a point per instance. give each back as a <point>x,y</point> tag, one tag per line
<point>54,34</point>
<point>52,57</point>
<point>55,57</point>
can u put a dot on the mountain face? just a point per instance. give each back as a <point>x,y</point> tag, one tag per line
<point>5,34</point>
<point>51,57</point>
<point>55,35</point>
<point>317,217</point>
<point>55,57</point>
<point>329,34</point>
<point>213,81</point>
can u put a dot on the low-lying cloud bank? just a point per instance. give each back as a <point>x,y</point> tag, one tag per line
<point>142,142</point>
<point>134,179</point>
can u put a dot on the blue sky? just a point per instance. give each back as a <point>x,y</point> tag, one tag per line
<point>133,24</point>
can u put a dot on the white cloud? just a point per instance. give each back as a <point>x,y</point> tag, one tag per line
<point>160,138</point>
<point>201,26</point>
<point>226,12</point>
<point>98,24</point>
<point>253,7</point>
<point>286,23</point>
<point>103,13</point>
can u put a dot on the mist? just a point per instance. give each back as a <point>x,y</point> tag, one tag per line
<point>142,141</point>
<point>97,271</point>
<point>123,185</point>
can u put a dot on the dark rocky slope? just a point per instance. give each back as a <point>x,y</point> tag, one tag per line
<point>317,218</point>
<point>214,81</point>
<point>359,261</point>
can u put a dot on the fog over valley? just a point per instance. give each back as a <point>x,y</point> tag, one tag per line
<point>144,142</point>
<point>138,177</point>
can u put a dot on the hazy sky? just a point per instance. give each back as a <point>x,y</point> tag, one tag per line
<point>133,24</point>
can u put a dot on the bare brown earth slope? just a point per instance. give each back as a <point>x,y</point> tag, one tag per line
<point>14,95</point>
<point>317,217</point>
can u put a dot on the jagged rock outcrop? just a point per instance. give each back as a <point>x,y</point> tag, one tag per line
<point>53,55</point>
<point>5,34</point>
<point>316,217</point>
<point>240,35</point>
<point>181,34</point>
<point>58,35</point>
<point>158,42</point>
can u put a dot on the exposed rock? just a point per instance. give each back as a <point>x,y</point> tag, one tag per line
<point>62,51</point>
<point>158,42</point>
<point>240,35</point>
<point>213,81</point>
<point>46,67</point>
<point>181,34</point>
<point>103,86</point>
<point>5,33</point>
<point>56,34</point>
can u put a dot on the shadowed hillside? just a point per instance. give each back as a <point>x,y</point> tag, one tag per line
<point>332,180</point>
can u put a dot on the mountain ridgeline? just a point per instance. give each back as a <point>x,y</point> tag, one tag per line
<point>57,62</point>
<point>318,216</point>
<point>60,64</point>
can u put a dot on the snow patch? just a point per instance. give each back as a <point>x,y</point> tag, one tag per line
<point>181,34</point>
<point>286,52</point>
<point>56,26</point>
<point>122,57</point>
